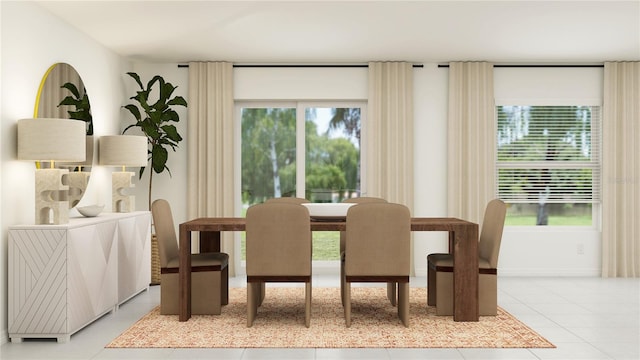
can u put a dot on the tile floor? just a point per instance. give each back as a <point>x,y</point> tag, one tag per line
<point>586,318</point>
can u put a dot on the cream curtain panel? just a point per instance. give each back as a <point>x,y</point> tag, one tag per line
<point>621,170</point>
<point>387,147</point>
<point>471,139</point>
<point>210,145</point>
<point>388,141</point>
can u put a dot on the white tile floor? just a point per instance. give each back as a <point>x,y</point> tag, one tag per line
<point>586,318</point>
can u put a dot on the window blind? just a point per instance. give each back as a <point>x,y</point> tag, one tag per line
<point>548,154</point>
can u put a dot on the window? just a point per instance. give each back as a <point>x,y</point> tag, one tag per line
<point>309,150</point>
<point>548,163</point>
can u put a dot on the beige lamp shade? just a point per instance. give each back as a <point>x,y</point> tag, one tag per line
<point>123,150</point>
<point>89,155</point>
<point>51,140</point>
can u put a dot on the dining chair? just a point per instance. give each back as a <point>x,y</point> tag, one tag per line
<point>440,267</point>
<point>343,235</point>
<point>377,249</point>
<point>209,271</point>
<point>278,249</point>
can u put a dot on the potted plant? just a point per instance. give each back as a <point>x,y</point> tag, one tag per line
<point>155,121</point>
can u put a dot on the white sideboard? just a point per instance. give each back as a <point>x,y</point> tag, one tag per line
<point>63,277</point>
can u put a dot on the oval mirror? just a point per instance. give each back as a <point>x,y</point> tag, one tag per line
<point>62,95</point>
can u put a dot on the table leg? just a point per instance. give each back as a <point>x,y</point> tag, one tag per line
<point>465,273</point>
<point>184,274</point>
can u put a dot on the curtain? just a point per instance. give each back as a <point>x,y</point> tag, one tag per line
<point>387,153</point>
<point>621,170</point>
<point>471,143</point>
<point>210,146</point>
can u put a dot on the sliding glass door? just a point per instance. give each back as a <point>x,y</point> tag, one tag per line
<point>309,150</point>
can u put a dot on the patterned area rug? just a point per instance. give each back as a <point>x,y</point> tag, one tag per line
<point>280,324</point>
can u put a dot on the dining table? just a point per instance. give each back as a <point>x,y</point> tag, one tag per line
<point>463,244</point>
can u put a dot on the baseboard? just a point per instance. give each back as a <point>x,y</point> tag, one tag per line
<point>524,272</point>
<point>4,337</point>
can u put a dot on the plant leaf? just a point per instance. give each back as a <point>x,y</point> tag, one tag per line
<point>160,156</point>
<point>136,78</point>
<point>133,110</point>
<point>72,88</point>
<point>178,100</point>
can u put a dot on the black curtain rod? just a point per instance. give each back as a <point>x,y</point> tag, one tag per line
<point>415,66</point>
<point>539,66</point>
<point>300,66</point>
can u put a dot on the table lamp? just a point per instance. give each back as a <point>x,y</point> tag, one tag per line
<point>51,140</point>
<point>78,179</point>
<point>122,150</point>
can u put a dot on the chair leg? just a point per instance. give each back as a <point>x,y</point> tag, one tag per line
<point>224,288</point>
<point>307,305</point>
<point>391,293</point>
<point>431,286</point>
<point>347,303</point>
<point>251,303</point>
<point>342,283</point>
<point>261,294</point>
<point>403,302</point>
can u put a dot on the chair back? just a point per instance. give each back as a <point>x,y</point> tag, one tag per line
<point>378,240</point>
<point>165,231</point>
<point>278,240</point>
<point>491,232</point>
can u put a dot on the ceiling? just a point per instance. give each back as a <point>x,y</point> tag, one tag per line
<point>360,31</point>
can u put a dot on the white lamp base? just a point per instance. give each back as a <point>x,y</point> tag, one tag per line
<point>52,206</point>
<point>121,183</point>
<point>78,182</point>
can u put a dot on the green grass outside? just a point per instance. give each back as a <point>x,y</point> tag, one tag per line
<point>578,220</point>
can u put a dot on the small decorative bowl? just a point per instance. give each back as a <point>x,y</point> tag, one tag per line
<point>91,210</point>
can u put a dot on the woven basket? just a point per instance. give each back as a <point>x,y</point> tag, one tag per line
<point>155,261</point>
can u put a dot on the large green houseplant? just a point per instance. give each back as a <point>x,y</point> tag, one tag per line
<point>155,121</point>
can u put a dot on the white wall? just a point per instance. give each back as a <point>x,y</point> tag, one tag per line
<point>33,40</point>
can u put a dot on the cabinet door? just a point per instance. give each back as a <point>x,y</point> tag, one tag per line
<point>37,282</point>
<point>134,258</point>
<point>92,271</point>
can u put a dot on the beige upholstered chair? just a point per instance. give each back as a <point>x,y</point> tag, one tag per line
<point>278,246</point>
<point>292,200</point>
<point>440,267</point>
<point>209,271</point>
<point>377,249</point>
<point>343,234</point>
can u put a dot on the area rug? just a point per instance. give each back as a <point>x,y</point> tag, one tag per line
<point>280,324</point>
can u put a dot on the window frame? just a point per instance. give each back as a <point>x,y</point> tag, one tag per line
<point>596,125</point>
<point>324,266</point>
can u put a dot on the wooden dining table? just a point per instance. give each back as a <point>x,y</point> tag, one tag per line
<point>463,244</point>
